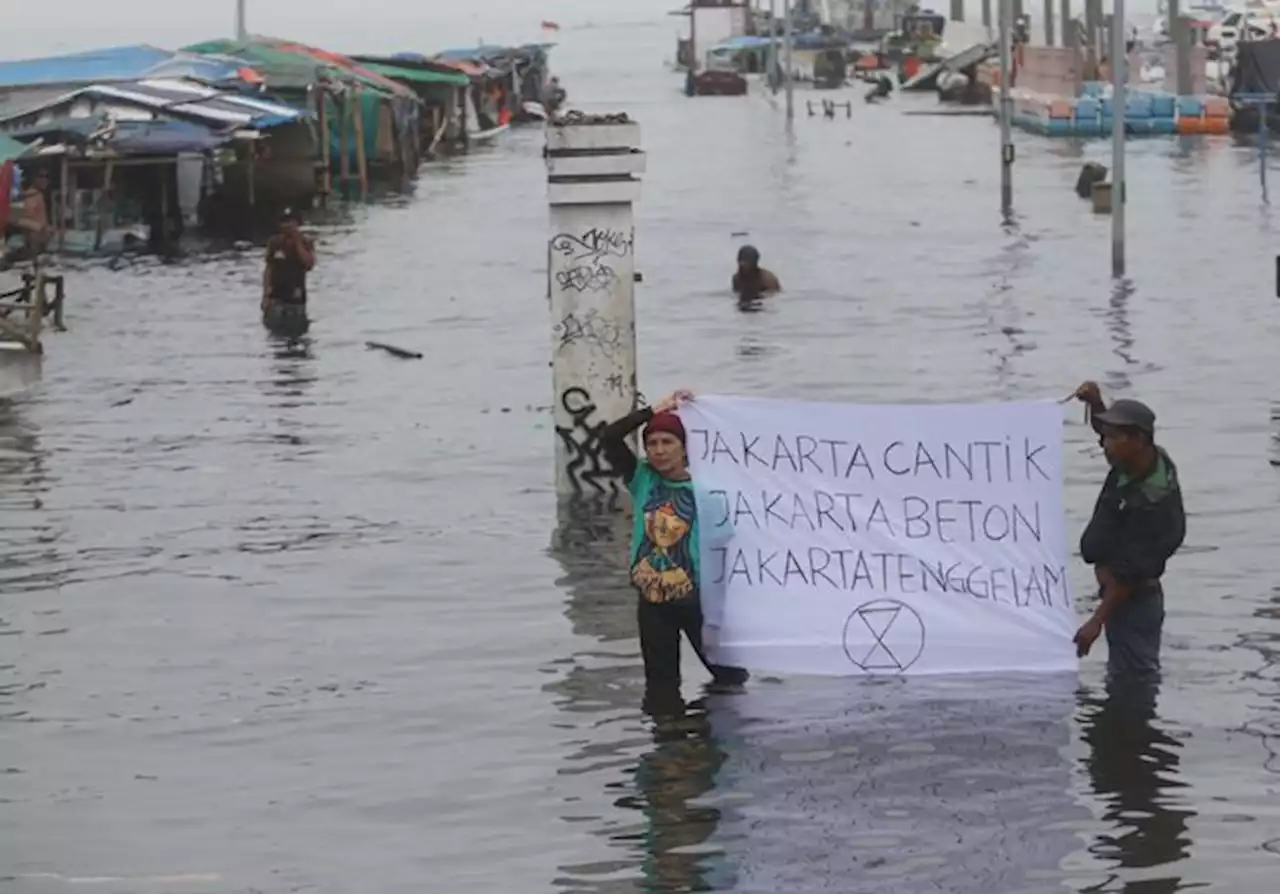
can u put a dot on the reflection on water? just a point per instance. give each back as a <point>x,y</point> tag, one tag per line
<point>1133,765</point>
<point>669,780</point>
<point>1121,333</point>
<point>955,785</point>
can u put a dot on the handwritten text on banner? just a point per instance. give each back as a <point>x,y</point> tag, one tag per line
<point>842,539</point>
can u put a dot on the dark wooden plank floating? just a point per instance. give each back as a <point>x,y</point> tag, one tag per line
<point>394,351</point>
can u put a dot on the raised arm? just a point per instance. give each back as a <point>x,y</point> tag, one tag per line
<point>613,438</point>
<point>1090,395</point>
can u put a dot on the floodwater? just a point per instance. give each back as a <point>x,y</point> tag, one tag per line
<point>308,619</point>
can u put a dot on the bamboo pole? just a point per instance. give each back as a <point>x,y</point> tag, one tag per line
<point>344,154</point>
<point>322,114</point>
<point>103,196</point>
<point>64,202</point>
<point>362,163</point>
<point>251,172</point>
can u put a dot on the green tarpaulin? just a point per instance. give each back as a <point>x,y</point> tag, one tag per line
<point>418,75</point>
<point>11,149</point>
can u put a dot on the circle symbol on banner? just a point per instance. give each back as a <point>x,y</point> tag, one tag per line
<point>884,636</point>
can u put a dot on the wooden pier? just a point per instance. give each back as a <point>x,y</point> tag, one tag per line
<point>23,310</point>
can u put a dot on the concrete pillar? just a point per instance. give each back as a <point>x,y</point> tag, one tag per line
<point>1093,34</point>
<point>957,10</point>
<point>1067,31</point>
<point>592,163</point>
<point>1049,15</point>
<point>986,16</point>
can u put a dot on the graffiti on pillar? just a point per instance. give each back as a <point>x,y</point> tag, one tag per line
<point>587,258</point>
<point>591,330</point>
<point>588,468</point>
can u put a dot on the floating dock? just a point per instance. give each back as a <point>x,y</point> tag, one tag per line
<point>1147,113</point>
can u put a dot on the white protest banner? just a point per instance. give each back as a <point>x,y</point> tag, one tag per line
<point>918,539</point>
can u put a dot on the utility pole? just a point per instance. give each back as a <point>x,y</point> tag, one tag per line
<point>1119,77</point>
<point>773,47</point>
<point>1004,25</point>
<point>786,52</point>
<point>242,33</point>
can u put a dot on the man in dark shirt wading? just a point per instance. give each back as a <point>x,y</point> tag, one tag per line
<point>1138,524</point>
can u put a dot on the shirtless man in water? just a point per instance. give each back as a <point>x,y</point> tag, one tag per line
<point>752,280</point>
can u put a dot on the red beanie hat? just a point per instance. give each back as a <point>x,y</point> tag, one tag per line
<point>665,422</point>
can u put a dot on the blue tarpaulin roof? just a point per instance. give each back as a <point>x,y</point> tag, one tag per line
<point>747,42</point>
<point>129,63</point>
<point>483,52</point>
<point>163,138</point>
<point>127,137</point>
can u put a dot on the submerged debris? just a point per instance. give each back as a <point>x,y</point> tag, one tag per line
<point>394,351</point>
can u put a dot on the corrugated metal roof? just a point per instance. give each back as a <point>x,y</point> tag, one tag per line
<point>173,99</point>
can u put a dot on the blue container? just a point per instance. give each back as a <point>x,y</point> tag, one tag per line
<point>1088,127</point>
<point>1093,88</point>
<point>1162,125</point>
<point>1059,127</point>
<point>1137,106</point>
<point>1190,106</point>
<point>1087,108</point>
<point>1163,105</point>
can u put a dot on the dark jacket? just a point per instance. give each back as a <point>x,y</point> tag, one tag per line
<point>1137,524</point>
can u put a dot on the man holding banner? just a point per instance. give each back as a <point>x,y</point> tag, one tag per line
<point>1138,524</point>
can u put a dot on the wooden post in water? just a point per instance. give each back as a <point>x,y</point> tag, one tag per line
<point>104,197</point>
<point>593,165</point>
<point>64,202</point>
<point>344,142</point>
<point>322,117</point>
<point>786,51</point>
<point>362,166</point>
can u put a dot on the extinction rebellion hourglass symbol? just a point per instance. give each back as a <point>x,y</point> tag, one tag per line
<point>884,636</point>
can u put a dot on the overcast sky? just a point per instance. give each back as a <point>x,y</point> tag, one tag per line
<point>33,29</point>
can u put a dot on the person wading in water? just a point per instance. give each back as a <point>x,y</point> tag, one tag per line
<point>290,257</point>
<point>751,280</point>
<point>1138,524</point>
<point>664,542</point>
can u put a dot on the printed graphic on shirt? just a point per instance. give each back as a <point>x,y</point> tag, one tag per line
<point>664,567</point>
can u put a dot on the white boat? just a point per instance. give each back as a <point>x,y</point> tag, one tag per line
<point>487,136</point>
<point>474,133</point>
<point>535,110</point>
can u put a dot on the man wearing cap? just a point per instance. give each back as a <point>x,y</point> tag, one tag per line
<point>1138,523</point>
